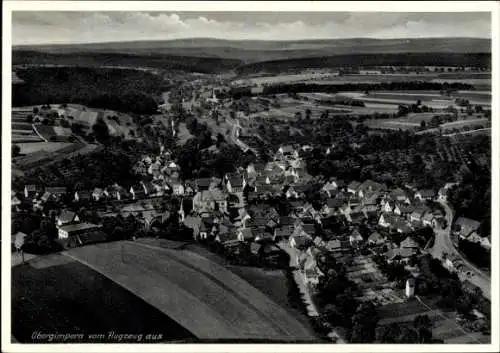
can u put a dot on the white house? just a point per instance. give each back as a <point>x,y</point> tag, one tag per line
<point>410,288</point>
<point>177,189</point>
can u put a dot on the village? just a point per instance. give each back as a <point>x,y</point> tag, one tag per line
<point>260,212</point>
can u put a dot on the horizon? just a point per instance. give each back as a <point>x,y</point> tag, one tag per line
<point>66,28</point>
<point>247,40</point>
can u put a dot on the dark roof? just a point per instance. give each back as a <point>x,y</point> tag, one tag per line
<point>236,182</point>
<point>467,225</point>
<point>286,221</point>
<point>283,232</point>
<point>309,228</point>
<point>427,193</point>
<point>66,216</point>
<point>335,202</point>
<point>203,182</point>
<point>247,233</point>
<point>409,242</point>
<point>80,227</point>
<point>56,189</point>
<point>354,185</point>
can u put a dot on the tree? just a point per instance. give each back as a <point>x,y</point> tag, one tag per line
<point>16,150</point>
<point>101,130</point>
<point>423,326</point>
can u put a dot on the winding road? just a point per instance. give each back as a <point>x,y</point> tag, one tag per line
<point>443,244</point>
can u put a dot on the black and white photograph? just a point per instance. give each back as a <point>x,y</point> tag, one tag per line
<point>318,176</point>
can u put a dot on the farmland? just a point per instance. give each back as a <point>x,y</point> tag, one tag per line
<point>444,323</point>
<point>226,313</point>
<point>44,300</point>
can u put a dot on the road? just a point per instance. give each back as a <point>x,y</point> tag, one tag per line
<point>443,244</point>
<point>312,310</point>
<point>234,136</point>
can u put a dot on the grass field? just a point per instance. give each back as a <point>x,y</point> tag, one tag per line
<point>44,300</point>
<point>445,326</point>
<point>221,304</point>
<point>31,147</point>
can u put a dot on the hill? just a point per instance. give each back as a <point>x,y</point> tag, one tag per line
<point>260,50</point>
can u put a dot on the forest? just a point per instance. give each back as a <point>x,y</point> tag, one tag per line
<point>126,90</point>
<point>482,60</point>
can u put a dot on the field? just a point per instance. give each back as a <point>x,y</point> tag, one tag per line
<point>43,157</point>
<point>52,133</point>
<point>32,147</point>
<point>225,313</point>
<point>444,323</point>
<point>43,299</point>
<point>22,130</point>
<point>273,283</point>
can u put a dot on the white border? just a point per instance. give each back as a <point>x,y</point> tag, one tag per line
<point>312,6</point>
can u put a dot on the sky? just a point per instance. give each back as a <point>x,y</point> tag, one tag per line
<point>39,27</point>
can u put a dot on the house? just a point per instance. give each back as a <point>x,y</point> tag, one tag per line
<point>353,187</point>
<point>333,245</point>
<point>236,184</point>
<point>263,180</point>
<point>67,217</point>
<point>369,187</point>
<point>18,240</point>
<point>402,227</point>
<point>409,243</point>
<point>291,193</point>
<point>282,233</point>
<point>245,234</point>
<point>399,255</point>
<point>79,229</point>
<point>149,188</point>
<point>439,222</point>
<point>425,195</point>
<point>83,196</point>
<point>286,222</point>
<point>299,242</point>
<point>385,220</point>
<point>31,191</point>
<point>330,188</point>
<point>370,211</point>
<point>465,226</point>
<point>98,194</point>
<point>443,194</point>
<point>355,217</point>
<point>400,195</point>
<point>263,236</point>
<point>203,184</point>
<point>177,188</point>
<point>355,238</point>
<point>311,271</point>
<point>332,205</point>
<point>193,223</point>
<point>403,210</point>
<point>474,237</point>
<point>251,172</point>
<point>486,242</point>
<point>15,202</point>
<point>57,191</point>
<point>416,215</point>
<point>388,206</point>
<point>427,219</point>
<point>206,227</point>
<point>376,239</point>
<point>287,151</point>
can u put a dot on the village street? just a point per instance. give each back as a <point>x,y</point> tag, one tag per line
<point>443,244</point>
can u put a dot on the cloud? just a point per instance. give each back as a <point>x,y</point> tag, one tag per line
<point>81,27</point>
